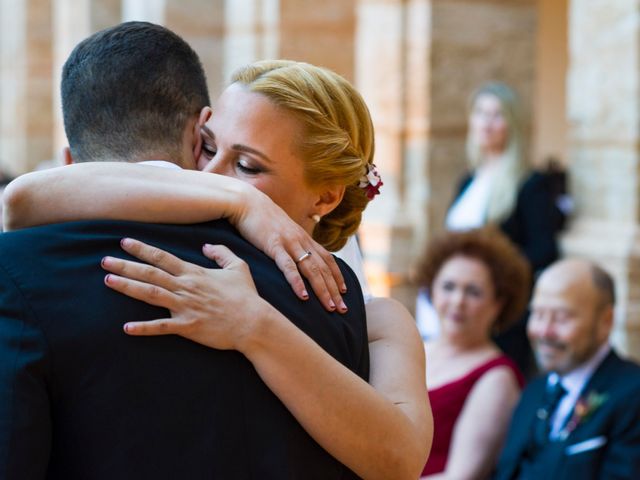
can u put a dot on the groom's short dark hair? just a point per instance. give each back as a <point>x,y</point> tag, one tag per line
<point>129,90</point>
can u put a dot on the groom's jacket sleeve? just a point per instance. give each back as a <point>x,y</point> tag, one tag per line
<point>25,422</point>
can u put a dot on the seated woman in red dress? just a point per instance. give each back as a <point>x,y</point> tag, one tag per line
<point>479,284</point>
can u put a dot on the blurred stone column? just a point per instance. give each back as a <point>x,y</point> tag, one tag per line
<point>382,51</point>
<point>73,21</point>
<point>25,84</point>
<point>322,33</point>
<point>604,149</point>
<point>251,33</point>
<point>300,30</point>
<point>417,61</point>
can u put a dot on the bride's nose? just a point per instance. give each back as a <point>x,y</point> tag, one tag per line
<point>213,166</point>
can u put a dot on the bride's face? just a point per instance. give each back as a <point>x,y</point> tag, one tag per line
<point>251,139</point>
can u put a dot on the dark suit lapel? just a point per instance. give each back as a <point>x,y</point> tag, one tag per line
<point>604,375</point>
<point>596,389</point>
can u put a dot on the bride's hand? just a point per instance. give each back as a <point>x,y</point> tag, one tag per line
<point>268,227</point>
<point>218,308</point>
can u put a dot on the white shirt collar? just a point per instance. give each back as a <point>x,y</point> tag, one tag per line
<point>578,377</point>
<point>161,163</point>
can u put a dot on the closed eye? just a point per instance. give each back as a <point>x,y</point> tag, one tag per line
<point>209,151</point>
<point>248,170</point>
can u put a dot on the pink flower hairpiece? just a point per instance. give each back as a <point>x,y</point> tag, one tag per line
<point>371,181</point>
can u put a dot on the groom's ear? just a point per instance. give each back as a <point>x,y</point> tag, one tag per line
<point>66,156</point>
<point>205,115</point>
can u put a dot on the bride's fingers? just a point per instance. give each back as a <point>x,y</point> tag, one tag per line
<point>139,271</point>
<point>154,256</point>
<point>163,326</point>
<point>290,270</point>
<point>320,277</point>
<point>151,294</point>
<point>336,273</point>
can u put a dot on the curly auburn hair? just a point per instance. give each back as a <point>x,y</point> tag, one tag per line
<point>510,272</point>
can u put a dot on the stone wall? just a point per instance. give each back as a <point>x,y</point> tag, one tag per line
<point>25,84</point>
<point>417,63</point>
<point>604,149</point>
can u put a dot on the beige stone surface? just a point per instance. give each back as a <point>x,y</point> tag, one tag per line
<point>417,63</point>
<point>322,36</point>
<point>25,84</point>
<point>552,57</point>
<point>604,145</point>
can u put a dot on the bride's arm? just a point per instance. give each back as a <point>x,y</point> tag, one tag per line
<point>121,191</point>
<point>126,191</point>
<point>382,430</point>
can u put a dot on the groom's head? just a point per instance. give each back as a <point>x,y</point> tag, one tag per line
<point>133,92</point>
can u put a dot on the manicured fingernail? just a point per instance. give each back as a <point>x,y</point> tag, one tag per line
<point>343,288</point>
<point>305,294</point>
<point>342,306</point>
<point>125,242</point>
<point>107,279</point>
<point>127,328</point>
<point>332,305</point>
<point>104,262</point>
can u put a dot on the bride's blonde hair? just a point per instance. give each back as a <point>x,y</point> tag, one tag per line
<point>337,141</point>
<point>504,190</point>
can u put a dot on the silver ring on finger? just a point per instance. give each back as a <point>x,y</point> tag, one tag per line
<point>304,256</point>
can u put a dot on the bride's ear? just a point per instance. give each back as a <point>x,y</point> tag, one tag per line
<point>328,200</point>
<point>205,115</point>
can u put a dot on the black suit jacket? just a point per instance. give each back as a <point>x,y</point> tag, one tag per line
<point>79,399</point>
<point>606,445</point>
<point>531,224</point>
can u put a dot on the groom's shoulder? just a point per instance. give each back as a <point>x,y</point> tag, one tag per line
<point>83,230</point>
<point>63,246</point>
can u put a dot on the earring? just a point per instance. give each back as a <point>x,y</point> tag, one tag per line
<point>315,217</point>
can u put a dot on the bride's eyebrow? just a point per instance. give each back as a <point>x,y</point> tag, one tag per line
<point>238,146</point>
<point>245,148</point>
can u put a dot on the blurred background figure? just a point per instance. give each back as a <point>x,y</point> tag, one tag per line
<point>580,419</point>
<point>500,190</point>
<point>479,284</point>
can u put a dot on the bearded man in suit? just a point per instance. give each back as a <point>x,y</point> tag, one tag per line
<point>581,420</point>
